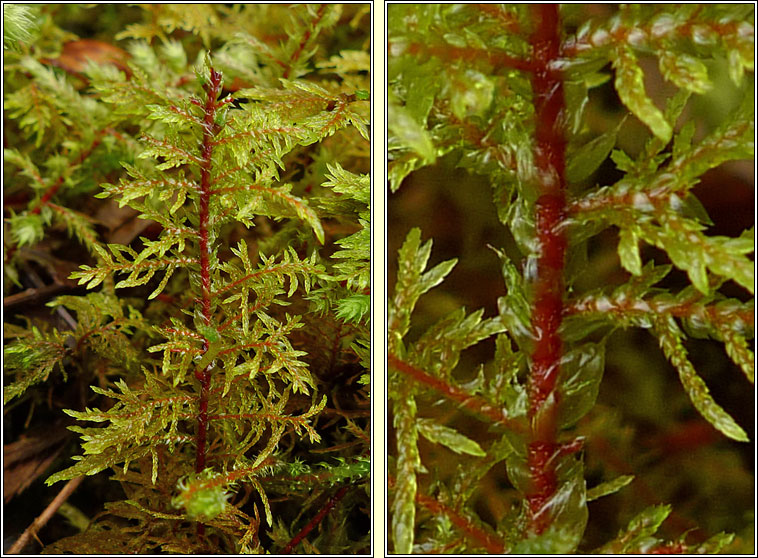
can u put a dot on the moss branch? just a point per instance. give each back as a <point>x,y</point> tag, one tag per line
<point>471,402</point>
<point>210,129</point>
<point>318,518</point>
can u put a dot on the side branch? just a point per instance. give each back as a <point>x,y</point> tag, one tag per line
<point>473,403</point>
<point>282,268</point>
<point>469,55</point>
<point>489,542</point>
<point>304,41</point>
<point>48,195</point>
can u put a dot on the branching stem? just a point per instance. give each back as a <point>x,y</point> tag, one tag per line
<point>210,129</point>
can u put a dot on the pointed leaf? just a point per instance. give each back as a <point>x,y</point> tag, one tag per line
<point>609,487</point>
<point>588,158</point>
<point>448,437</point>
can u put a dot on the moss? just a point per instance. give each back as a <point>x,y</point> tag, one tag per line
<point>188,192</point>
<point>582,130</point>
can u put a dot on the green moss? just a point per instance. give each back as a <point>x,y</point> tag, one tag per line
<point>226,254</point>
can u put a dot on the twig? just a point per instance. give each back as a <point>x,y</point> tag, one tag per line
<point>315,521</point>
<point>50,510</point>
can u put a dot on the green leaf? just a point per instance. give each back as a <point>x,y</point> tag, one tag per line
<point>423,86</point>
<point>439,347</point>
<point>472,94</point>
<point>27,229</point>
<point>567,508</point>
<point>694,252</point>
<point>354,307</point>
<point>285,203</point>
<point>19,23</point>
<point>685,71</point>
<point>637,537</point>
<point>405,131</point>
<point>647,522</point>
<point>514,307</point>
<point>31,360</point>
<point>407,465</point>
<point>412,282</point>
<point>555,540</point>
<point>209,332</point>
<point>609,487</point>
<point>715,544</point>
<point>448,437</point>
<point>581,370</point>
<point>588,158</point>
<point>686,255</point>
<point>629,251</point>
<point>623,161</point>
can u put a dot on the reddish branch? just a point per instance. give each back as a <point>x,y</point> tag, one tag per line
<point>323,512</point>
<point>716,314</point>
<point>485,539</point>
<point>547,86</point>
<point>471,402</point>
<point>306,37</point>
<point>467,55</point>
<point>670,548</point>
<point>47,196</point>
<point>282,268</point>
<point>52,190</point>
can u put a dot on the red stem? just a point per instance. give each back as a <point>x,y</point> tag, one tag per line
<point>333,501</point>
<point>210,129</point>
<point>547,86</point>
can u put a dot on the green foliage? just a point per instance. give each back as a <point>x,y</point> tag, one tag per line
<point>214,340</point>
<point>18,25</point>
<point>491,408</point>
